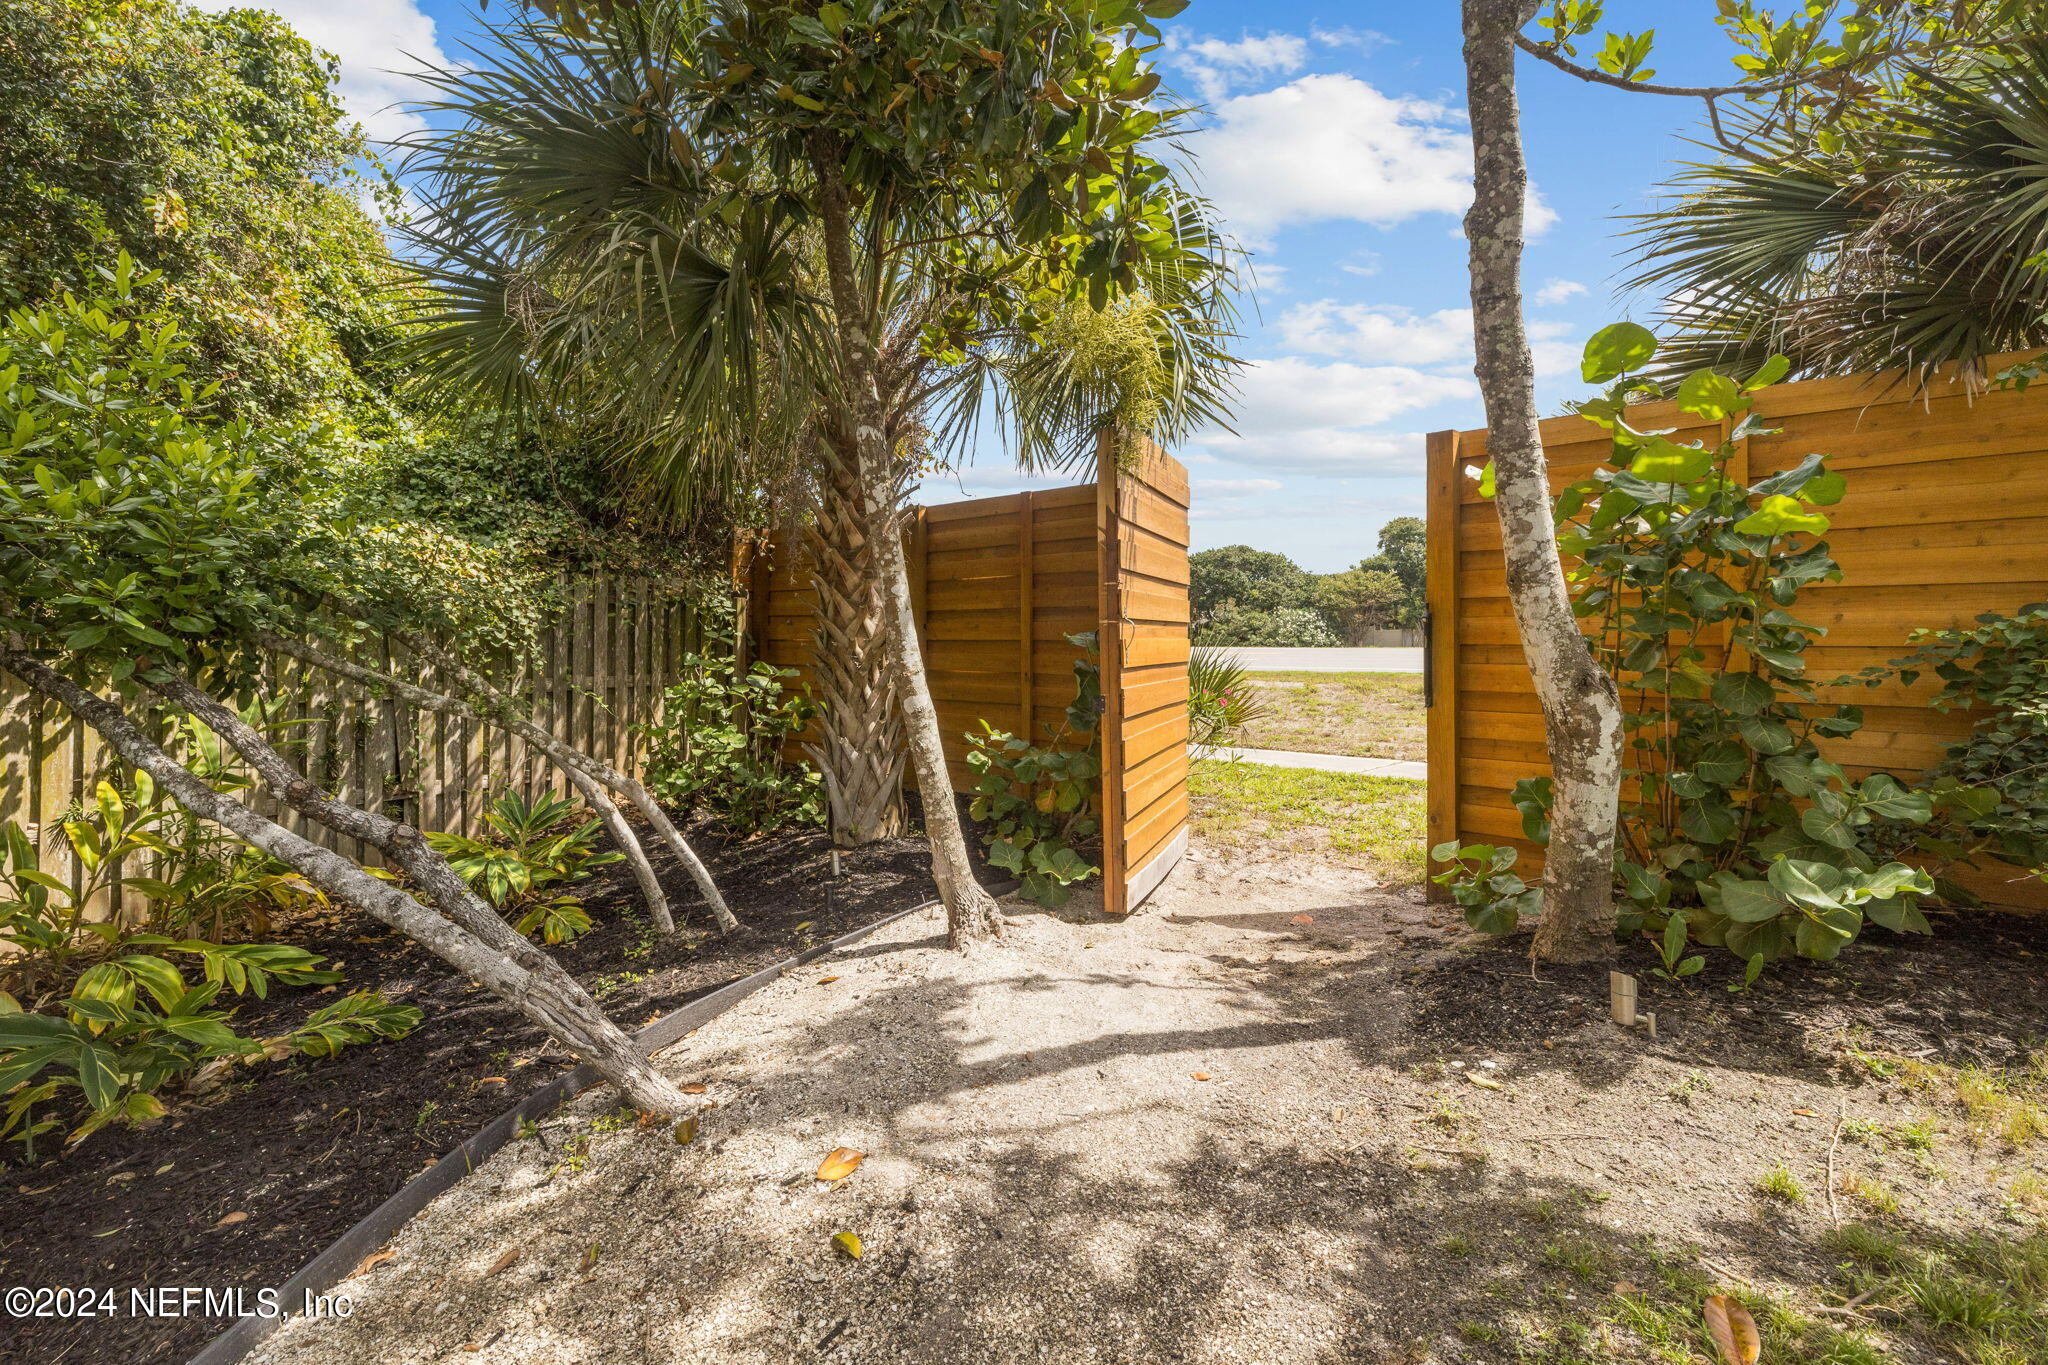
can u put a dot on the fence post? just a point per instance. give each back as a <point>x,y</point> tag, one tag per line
<point>1025,680</point>
<point>1440,580</point>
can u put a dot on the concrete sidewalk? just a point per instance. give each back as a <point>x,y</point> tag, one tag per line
<point>1328,763</point>
<point>1391,659</point>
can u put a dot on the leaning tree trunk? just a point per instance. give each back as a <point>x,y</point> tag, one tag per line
<point>506,714</point>
<point>573,763</point>
<point>1581,705</point>
<point>860,741</point>
<point>467,935</point>
<point>860,429</point>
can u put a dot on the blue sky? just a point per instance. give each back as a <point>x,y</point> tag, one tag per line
<point>1335,149</point>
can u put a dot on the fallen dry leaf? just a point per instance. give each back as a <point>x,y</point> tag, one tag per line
<point>490,1080</point>
<point>839,1163</point>
<point>236,1217</point>
<point>1302,919</point>
<point>590,1255</point>
<point>827,980</point>
<point>849,1243</point>
<point>1733,1330</point>
<point>1627,1287</point>
<point>1483,1082</point>
<point>374,1259</point>
<point>1201,1075</point>
<point>507,1259</point>
<point>686,1131</point>
<point>694,1088</point>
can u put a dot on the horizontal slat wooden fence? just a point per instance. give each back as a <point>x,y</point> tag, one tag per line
<point>599,671</point>
<point>998,584</point>
<point>1946,516</point>
<point>1146,612</point>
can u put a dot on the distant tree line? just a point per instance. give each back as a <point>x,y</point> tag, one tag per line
<point>1244,596</point>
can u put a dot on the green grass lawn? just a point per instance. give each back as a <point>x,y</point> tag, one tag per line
<point>1374,823</point>
<point>1375,715</point>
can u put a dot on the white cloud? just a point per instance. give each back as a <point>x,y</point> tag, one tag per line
<point>374,40</point>
<point>1346,36</point>
<point>1557,291</point>
<point>1294,415</point>
<point>1216,65</point>
<point>1360,331</point>
<point>1333,147</point>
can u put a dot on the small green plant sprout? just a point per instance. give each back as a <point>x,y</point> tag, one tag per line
<point>1483,880</point>
<point>1780,1184</point>
<point>1671,950</point>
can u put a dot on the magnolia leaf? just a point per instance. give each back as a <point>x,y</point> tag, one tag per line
<point>1615,350</point>
<point>839,1163</point>
<point>849,1244</point>
<point>1733,1330</point>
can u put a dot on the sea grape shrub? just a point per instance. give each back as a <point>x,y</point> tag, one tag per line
<point>1991,788</point>
<point>1035,803</point>
<point>1687,580</point>
<point>531,849</point>
<point>108,1011</point>
<point>720,747</point>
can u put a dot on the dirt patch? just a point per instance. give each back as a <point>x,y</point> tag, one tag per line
<point>1284,1115</point>
<point>305,1148</point>
<point>1373,715</point>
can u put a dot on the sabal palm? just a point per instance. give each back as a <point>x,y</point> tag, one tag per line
<point>595,262</point>
<point>1922,252</point>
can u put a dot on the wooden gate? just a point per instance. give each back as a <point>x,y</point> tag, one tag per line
<point>1946,516</point>
<point>998,585</point>
<point>1142,527</point>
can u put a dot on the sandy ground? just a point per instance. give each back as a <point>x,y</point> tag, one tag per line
<point>1216,1132</point>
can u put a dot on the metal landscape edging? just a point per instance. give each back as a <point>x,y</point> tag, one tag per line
<point>380,1224</point>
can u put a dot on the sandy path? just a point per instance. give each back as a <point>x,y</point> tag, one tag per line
<point>1048,1176</point>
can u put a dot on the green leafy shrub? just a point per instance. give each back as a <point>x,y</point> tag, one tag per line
<point>720,747</point>
<point>1035,802</point>
<point>1221,699</point>
<point>105,1009</point>
<point>1991,788</point>
<point>533,848</point>
<point>1281,628</point>
<point>1731,820</point>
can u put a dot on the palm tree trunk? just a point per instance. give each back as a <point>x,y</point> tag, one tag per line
<point>1581,705</point>
<point>860,741</point>
<point>861,437</point>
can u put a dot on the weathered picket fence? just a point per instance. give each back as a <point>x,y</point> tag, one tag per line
<point>596,674</point>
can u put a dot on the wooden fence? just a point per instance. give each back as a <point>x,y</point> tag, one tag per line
<point>998,585</point>
<point>598,672</point>
<point>1946,516</point>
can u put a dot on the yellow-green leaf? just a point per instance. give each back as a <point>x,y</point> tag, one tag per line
<point>849,1244</point>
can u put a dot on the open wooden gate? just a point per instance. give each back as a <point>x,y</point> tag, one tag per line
<point>1142,528</point>
<point>998,585</point>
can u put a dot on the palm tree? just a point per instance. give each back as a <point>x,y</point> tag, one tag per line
<point>598,255</point>
<point>1923,249</point>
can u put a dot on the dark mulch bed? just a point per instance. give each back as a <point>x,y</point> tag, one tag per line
<point>296,1152</point>
<point>1969,994</point>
